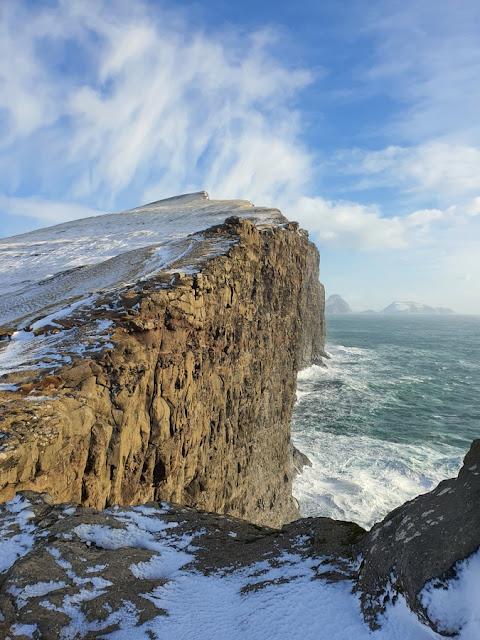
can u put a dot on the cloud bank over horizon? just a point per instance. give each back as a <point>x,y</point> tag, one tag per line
<point>103,111</point>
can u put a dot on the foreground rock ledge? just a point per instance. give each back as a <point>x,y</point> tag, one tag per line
<point>178,386</point>
<point>421,542</point>
<point>85,573</point>
<point>68,571</point>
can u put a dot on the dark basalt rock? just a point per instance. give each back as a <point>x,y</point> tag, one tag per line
<point>299,460</point>
<point>420,541</point>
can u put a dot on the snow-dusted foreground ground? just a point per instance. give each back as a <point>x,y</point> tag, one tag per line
<point>167,572</point>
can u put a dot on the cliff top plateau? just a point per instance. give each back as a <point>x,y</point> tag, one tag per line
<point>52,274</point>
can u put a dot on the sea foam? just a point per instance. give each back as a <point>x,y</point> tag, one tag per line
<point>392,415</point>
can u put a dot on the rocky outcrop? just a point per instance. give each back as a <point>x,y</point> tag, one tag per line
<point>188,396</point>
<point>69,571</point>
<point>422,541</point>
<point>80,573</point>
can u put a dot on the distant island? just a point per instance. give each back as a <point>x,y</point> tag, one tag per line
<point>336,304</point>
<point>414,307</point>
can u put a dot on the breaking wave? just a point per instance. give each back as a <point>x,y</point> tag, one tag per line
<point>392,415</point>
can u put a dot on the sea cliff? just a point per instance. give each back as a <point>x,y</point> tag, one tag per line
<point>187,394</point>
<point>148,366</point>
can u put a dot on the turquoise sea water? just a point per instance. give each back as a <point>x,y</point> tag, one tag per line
<point>393,413</point>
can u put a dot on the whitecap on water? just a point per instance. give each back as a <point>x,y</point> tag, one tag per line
<point>362,468</point>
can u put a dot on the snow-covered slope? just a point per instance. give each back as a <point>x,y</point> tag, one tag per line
<point>53,266</point>
<point>413,307</point>
<point>50,275</point>
<point>165,571</point>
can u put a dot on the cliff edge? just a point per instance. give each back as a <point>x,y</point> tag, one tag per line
<point>153,354</point>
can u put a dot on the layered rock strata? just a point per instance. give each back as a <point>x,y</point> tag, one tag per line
<point>184,386</point>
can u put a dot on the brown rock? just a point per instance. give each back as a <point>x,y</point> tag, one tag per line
<point>82,571</point>
<point>193,402</point>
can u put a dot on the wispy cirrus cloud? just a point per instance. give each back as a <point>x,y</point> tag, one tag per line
<point>427,59</point>
<point>51,211</point>
<point>156,107</point>
<point>103,109</point>
<point>447,171</point>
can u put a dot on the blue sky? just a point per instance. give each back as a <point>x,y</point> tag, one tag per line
<point>357,118</point>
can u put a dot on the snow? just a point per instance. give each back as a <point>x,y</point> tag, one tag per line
<point>27,351</point>
<point>25,630</point>
<point>143,532</point>
<point>35,590</point>
<point>8,387</point>
<point>52,274</point>
<point>104,251</point>
<point>96,568</point>
<point>455,604</point>
<point>283,597</point>
<point>17,534</point>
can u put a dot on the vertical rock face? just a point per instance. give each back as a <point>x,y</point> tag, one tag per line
<point>190,401</point>
<point>312,313</point>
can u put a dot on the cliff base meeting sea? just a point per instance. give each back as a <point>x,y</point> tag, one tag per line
<point>392,414</point>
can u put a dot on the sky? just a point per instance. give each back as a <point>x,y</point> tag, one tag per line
<point>358,118</point>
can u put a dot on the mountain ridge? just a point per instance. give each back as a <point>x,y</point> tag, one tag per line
<point>414,307</point>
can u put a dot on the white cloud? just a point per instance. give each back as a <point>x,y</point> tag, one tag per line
<point>427,59</point>
<point>113,108</point>
<point>163,109</point>
<point>473,208</point>
<point>49,211</point>
<point>352,225</point>
<point>442,169</point>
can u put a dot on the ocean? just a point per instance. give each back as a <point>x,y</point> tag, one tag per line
<point>392,415</point>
